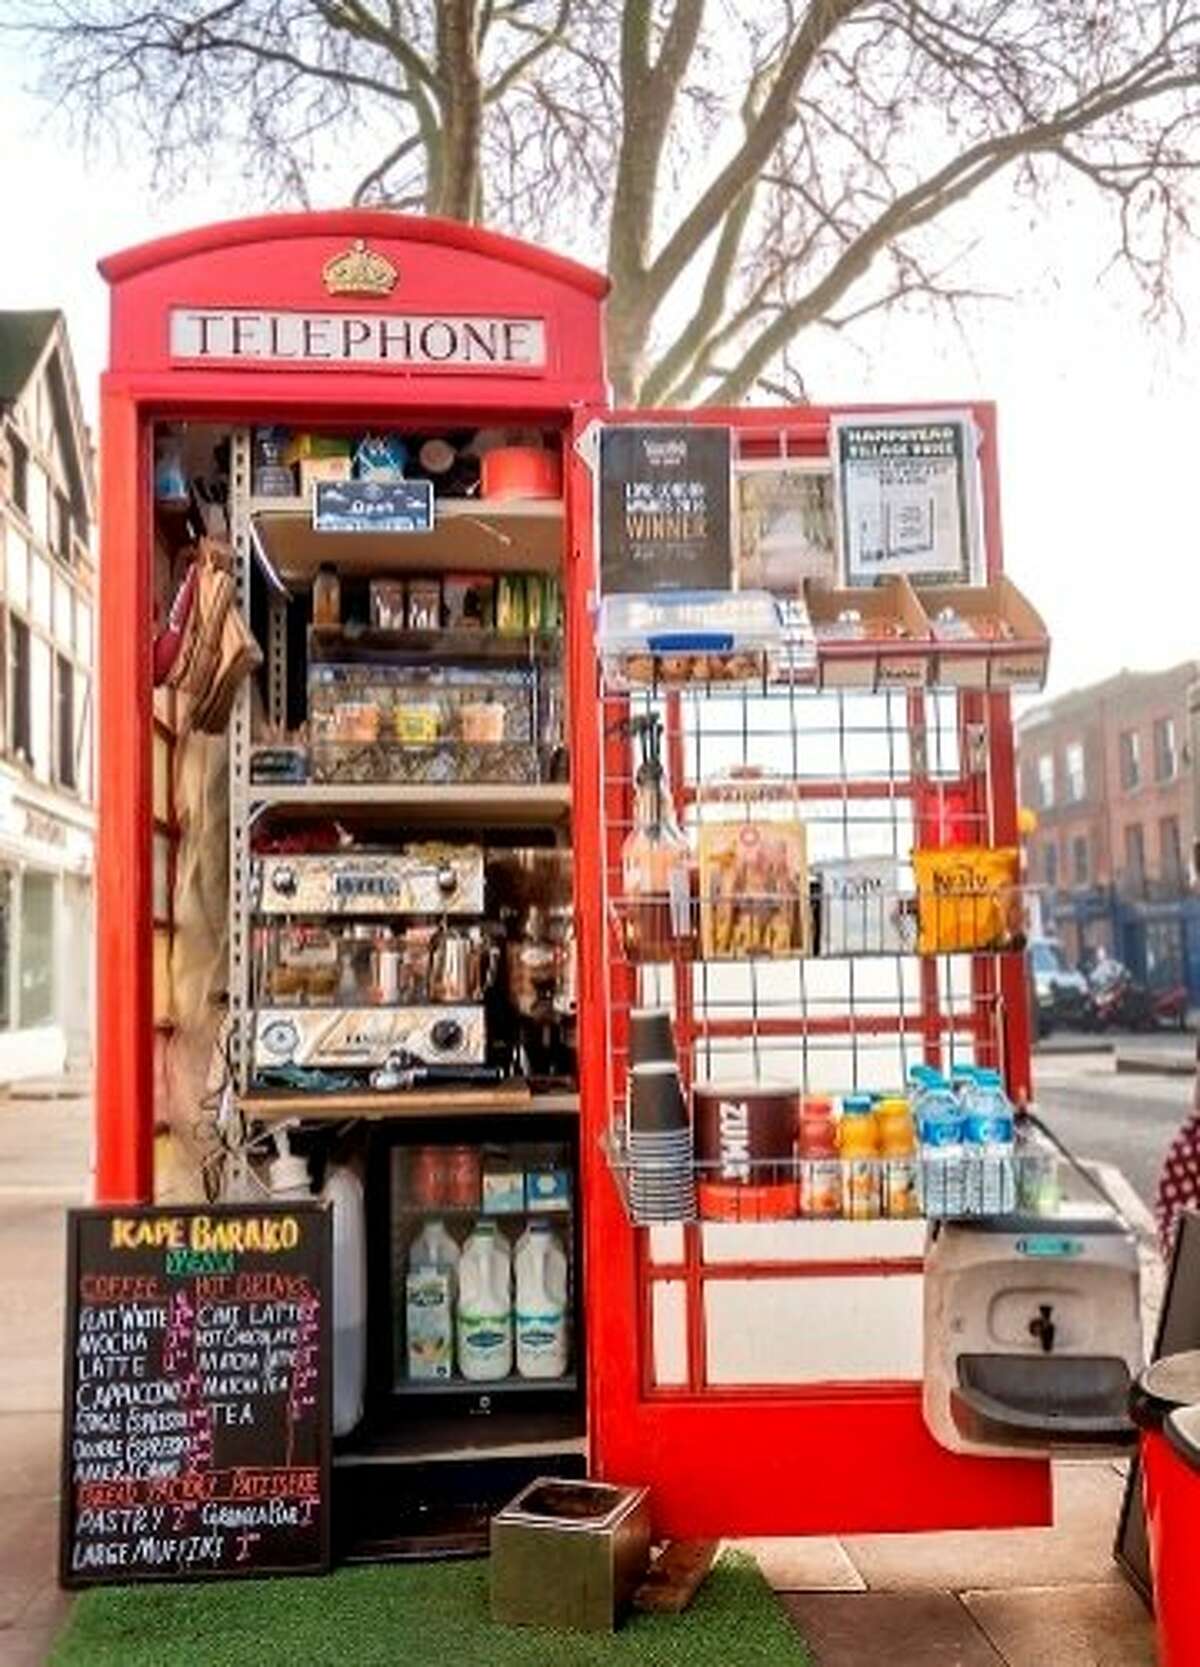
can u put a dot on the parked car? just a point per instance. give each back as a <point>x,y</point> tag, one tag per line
<point>1059,993</point>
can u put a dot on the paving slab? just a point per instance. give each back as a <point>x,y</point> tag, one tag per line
<point>29,1455</point>
<point>33,1250</point>
<point>909,1629</point>
<point>1077,1549</point>
<point>809,1564</point>
<point>28,1552</point>
<point>1067,1626</point>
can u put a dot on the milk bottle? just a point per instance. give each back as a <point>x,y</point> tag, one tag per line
<point>485,1321</point>
<point>541,1275</point>
<point>429,1292</point>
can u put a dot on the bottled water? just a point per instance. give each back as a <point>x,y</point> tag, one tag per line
<point>989,1131</point>
<point>939,1121</point>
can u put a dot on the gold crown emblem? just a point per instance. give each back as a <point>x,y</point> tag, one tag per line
<point>360,271</point>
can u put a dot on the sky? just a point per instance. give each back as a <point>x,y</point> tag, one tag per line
<point>1100,439</point>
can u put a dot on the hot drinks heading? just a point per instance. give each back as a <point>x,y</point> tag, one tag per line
<point>428,341</point>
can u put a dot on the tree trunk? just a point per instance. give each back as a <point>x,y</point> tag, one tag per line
<point>456,185</point>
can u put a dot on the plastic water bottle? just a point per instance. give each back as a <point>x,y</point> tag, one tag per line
<point>939,1121</point>
<point>989,1130</point>
<point>540,1267</point>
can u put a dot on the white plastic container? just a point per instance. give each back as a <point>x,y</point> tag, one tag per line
<point>430,1290</point>
<point>343,1192</point>
<point>485,1319</point>
<point>540,1265</point>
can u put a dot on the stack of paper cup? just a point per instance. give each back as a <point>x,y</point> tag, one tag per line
<point>661,1183</point>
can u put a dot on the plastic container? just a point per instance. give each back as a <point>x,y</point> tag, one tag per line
<point>900,1178</point>
<point>540,1270</point>
<point>689,636</point>
<point>858,1143</point>
<point>485,1316</point>
<point>820,1165</point>
<point>344,1194</point>
<point>939,1122</point>
<point>521,472</point>
<point>1163,1405</point>
<point>989,1137</point>
<point>430,1290</point>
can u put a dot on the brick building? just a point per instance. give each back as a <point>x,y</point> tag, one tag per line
<point>1109,772</point>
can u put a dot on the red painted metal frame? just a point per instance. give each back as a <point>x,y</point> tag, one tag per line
<point>757,1459</point>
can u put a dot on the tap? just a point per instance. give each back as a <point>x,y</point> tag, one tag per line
<point>1043,1327</point>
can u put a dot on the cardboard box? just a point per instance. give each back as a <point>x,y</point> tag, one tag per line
<point>1016,660</point>
<point>893,650</point>
<point>313,469</point>
<point>503,1192</point>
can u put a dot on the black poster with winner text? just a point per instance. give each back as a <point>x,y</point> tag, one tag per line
<point>665,509</point>
<point>196,1393</point>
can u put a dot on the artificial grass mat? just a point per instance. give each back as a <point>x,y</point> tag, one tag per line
<point>426,1614</point>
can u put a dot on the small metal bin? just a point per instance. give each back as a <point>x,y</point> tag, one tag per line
<point>569,1554</point>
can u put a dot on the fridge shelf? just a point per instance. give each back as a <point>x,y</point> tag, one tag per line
<point>511,1385</point>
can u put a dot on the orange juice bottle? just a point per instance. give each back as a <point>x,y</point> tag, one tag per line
<point>899,1168</point>
<point>858,1142</point>
<point>820,1165</point>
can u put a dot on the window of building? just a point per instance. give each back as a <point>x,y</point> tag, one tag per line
<point>63,622</point>
<point>83,631</point>
<point>1135,853</point>
<point>1045,769</point>
<point>22,735</point>
<point>16,569</point>
<point>20,473</point>
<point>1076,779</point>
<point>1050,863</point>
<point>1170,848</point>
<point>37,949</point>
<point>40,591</point>
<point>1166,757</point>
<point>39,503</point>
<point>65,696</point>
<point>1131,758</point>
<point>1079,859</point>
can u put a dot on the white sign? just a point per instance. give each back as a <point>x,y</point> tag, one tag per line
<point>908,497</point>
<point>309,340</point>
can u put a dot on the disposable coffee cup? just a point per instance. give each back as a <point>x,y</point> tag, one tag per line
<point>656,1099</point>
<point>651,1040</point>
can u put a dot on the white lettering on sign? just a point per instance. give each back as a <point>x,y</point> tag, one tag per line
<point>311,340</point>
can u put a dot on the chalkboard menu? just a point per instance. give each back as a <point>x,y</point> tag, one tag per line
<point>196,1393</point>
<point>665,509</point>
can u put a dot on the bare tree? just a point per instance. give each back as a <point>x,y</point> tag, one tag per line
<point>746,172</point>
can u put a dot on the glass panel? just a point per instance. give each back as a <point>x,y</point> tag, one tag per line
<point>162,877</point>
<point>6,902</point>
<point>37,949</point>
<point>39,590</point>
<point>162,779</point>
<point>39,502</point>
<point>162,976</point>
<point>83,630</point>
<point>17,569</point>
<point>40,708</point>
<point>63,610</point>
<point>670,1332</point>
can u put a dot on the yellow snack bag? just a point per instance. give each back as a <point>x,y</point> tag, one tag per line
<point>967,899</point>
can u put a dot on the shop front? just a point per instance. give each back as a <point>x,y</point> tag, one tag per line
<point>575,930</point>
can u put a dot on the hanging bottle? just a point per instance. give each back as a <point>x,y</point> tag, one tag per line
<point>655,860</point>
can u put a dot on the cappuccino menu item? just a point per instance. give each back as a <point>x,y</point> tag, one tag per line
<point>745,1143</point>
<point>196,1393</point>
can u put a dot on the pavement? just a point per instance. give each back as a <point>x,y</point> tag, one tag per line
<point>1046,1597</point>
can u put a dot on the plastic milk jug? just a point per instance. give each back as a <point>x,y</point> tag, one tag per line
<point>485,1321</point>
<point>540,1264</point>
<point>429,1292</point>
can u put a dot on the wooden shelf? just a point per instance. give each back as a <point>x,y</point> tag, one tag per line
<point>469,536</point>
<point>507,805</point>
<point>504,1099</point>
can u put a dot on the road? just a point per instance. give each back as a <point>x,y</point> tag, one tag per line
<point>1121,1119</point>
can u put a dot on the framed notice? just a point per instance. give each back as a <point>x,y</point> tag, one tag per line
<point>196,1379</point>
<point>787,528</point>
<point>907,495</point>
<point>665,509</point>
<point>373,506</point>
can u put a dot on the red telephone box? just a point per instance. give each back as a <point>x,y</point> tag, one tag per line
<point>742,1369</point>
